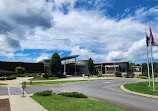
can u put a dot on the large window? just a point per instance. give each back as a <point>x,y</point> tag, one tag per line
<point>47,63</point>
<point>123,67</point>
<point>111,69</point>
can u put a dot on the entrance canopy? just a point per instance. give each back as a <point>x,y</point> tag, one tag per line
<point>69,57</point>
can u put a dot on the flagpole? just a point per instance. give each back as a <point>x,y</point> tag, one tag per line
<point>152,61</point>
<point>148,60</point>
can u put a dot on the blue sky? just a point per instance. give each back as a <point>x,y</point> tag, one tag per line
<point>105,30</point>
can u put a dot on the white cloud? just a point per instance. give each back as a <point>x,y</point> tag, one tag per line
<point>43,56</point>
<point>21,54</point>
<point>87,33</point>
<point>9,55</point>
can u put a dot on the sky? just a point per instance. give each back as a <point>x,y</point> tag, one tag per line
<point>105,30</point>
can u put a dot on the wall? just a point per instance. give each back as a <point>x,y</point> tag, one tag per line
<point>29,67</point>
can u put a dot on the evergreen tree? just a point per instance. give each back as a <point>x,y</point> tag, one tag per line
<point>55,64</point>
<point>91,66</point>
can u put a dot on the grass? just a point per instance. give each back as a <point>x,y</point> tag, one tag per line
<point>54,82</point>
<point>142,87</point>
<point>2,84</point>
<point>61,103</point>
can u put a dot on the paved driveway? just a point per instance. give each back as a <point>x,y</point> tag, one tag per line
<point>107,91</point>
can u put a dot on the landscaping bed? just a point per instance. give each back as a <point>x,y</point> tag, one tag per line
<point>54,102</point>
<point>51,78</point>
<point>4,105</point>
<point>142,87</point>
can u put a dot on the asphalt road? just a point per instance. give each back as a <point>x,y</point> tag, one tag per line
<point>107,91</point>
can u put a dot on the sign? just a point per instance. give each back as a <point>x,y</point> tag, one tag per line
<point>24,85</point>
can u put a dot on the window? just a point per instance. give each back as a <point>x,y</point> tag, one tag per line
<point>47,63</point>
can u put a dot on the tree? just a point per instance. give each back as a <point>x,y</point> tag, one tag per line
<point>131,64</point>
<point>91,66</point>
<point>20,70</point>
<point>144,68</point>
<point>55,64</point>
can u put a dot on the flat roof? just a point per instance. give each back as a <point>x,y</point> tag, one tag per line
<point>69,57</point>
<point>63,58</point>
<point>111,62</point>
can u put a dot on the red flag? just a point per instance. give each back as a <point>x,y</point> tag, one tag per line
<point>152,39</point>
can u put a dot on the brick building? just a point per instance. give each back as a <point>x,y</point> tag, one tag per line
<point>29,67</point>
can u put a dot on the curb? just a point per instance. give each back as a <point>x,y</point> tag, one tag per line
<point>136,93</point>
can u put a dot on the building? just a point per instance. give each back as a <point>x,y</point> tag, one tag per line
<point>109,68</point>
<point>29,67</point>
<point>76,67</point>
<point>136,70</point>
<point>79,67</point>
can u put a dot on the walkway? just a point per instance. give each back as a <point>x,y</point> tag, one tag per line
<point>17,101</point>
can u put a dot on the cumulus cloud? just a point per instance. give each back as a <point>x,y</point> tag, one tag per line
<point>43,56</point>
<point>43,25</point>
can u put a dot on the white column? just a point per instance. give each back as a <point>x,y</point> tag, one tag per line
<point>75,66</point>
<point>101,69</point>
<point>65,67</point>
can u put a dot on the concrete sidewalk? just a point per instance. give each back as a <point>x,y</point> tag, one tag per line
<point>19,103</point>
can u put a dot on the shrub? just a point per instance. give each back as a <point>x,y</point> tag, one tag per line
<point>3,78</point>
<point>20,75</point>
<point>37,76</point>
<point>73,94</point>
<point>6,73</point>
<point>87,74</point>
<point>50,75</point>
<point>30,75</point>
<point>60,75</point>
<point>20,70</point>
<point>142,77</point>
<point>44,93</point>
<point>46,76</point>
<point>11,77</point>
<point>118,74</point>
<point>43,74</point>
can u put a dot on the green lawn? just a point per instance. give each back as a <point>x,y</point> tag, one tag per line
<point>142,87</point>
<point>2,84</point>
<point>61,103</point>
<point>55,82</point>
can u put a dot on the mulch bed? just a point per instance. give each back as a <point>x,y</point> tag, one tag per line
<point>4,105</point>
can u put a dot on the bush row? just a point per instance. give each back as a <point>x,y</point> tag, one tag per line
<point>73,94</point>
<point>67,94</point>
<point>44,93</point>
<point>118,74</point>
<point>11,77</point>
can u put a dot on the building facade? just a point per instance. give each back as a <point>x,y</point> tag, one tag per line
<point>29,67</point>
<point>109,68</point>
